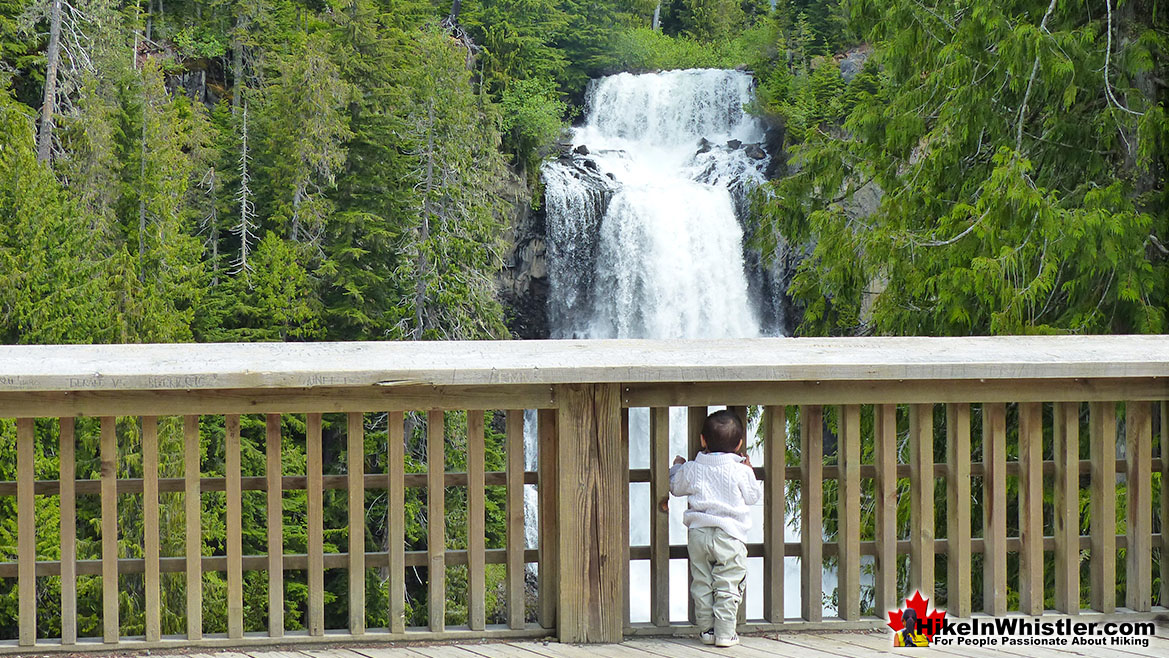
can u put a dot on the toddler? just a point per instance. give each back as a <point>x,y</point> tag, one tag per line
<point>721,485</point>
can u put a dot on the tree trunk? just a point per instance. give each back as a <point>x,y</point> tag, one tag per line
<point>237,64</point>
<point>45,138</point>
<point>657,17</point>
<point>424,228</point>
<point>456,5</point>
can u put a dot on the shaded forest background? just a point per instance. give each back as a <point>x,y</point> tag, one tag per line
<point>246,170</point>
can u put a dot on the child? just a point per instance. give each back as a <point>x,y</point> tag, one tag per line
<point>721,485</point>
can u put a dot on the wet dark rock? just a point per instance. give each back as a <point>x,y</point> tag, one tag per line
<point>704,146</point>
<point>581,150</point>
<point>611,176</point>
<point>590,164</point>
<point>734,144</point>
<point>754,152</point>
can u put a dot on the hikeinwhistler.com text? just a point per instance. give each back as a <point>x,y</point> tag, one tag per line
<point>1022,631</point>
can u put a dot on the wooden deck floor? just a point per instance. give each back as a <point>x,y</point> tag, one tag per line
<point>786,645</point>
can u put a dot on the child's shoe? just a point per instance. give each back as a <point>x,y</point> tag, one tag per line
<point>707,636</point>
<point>726,641</point>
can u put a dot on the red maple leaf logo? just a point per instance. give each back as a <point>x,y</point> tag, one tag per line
<point>930,623</point>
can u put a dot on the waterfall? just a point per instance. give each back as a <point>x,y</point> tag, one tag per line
<point>645,240</point>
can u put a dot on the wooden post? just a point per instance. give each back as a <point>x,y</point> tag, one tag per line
<point>885,502</point>
<point>958,510</point>
<point>695,418</point>
<point>68,469</point>
<point>436,519</point>
<point>355,462</point>
<point>994,527</point>
<point>109,530</point>
<point>234,531</point>
<point>150,530</point>
<point>921,499</point>
<point>1138,434</point>
<point>849,513</point>
<point>274,470</point>
<point>1066,503</point>
<point>476,520</point>
<point>774,505</point>
<point>1102,567</point>
<point>193,506</point>
<point>591,464</point>
<point>1164,404</point>
<point>316,548</point>
<point>624,484</point>
<point>516,538</point>
<point>1031,508</point>
<point>811,512</point>
<point>26,527</point>
<point>549,521</point>
<point>659,520</point>
<point>396,519</point>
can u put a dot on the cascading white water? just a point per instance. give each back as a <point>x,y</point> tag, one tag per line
<point>644,242</point>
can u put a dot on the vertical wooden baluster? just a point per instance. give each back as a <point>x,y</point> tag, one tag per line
<point>355,436</point>
<point>549,520</point>
<point>396,519</point>
<point>68,477</point>
<point>958,509</point>
<point>1102,568</point>
<point>1031,508</point>
<point>811,512</point>
<point>26,549</point>
<point>849,513</point>
<point>741,412</point>
<point>274,470</point>
<point>109,529</point>
<point>1066,503</point>
<point>436,519</point>
<point>659,483</point>
<point>1164,503</point>
<point>625,515</point>
<point>774,505</point>
<point>316,526</point>
<point>994,525</point>
<point>476,530</point>
<point>150,526</point>
<point>515,518</point>
<point>1139,555</point>
<point>885,502</point>
<point>235,571</point>
<point>193,507</point>
<point>695,417</point>
<point>921,499</point>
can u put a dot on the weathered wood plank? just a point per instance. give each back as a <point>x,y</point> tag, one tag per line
<point>811,512</point>
<point>994,525</point>
<point>849,514</point>
<point>355,462</point>
<point>591,463</point>
<point>26,525</point>
<point>624,529</point>
<point>1164,404</point>
<point>396,519</point>
<point>774,506</point>
<point>68,475</point>
<point>921,499</point>
<point>274,470</point>
<point>659,565</point>
<point>958,598</point>
<point>885,503</point>
<point>1139,508</point>
<point>109,530</point>
<point>476,519</point>
<point>515,518</point>
<point>316,529</point>
<point>436,520</point>
<point>1031,508</point>
<point>1066,504</point>
<point>549,521</point>
<point>150,529</point>
<point>1102,567</point>
<point>695,417</point>
<point>193,513</point>
<point>234,530</point>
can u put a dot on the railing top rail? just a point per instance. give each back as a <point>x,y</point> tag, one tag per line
<point>290,365</point>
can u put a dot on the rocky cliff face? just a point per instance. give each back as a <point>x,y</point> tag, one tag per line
<point>523,280</point>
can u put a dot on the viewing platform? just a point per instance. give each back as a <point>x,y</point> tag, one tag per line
<point>1012,454</point>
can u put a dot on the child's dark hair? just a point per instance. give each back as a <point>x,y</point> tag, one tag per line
<point>723,430</point>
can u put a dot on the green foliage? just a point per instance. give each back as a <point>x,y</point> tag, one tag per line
<point>531,117</point>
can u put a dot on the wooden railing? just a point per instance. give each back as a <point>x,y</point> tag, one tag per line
<point>235,418</point>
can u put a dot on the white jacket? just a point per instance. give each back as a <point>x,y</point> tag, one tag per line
<point>721,488</point>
